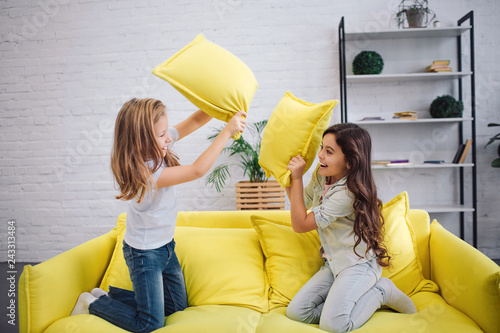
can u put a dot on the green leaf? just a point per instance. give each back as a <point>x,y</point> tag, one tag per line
<point>493,139</point>
<point>218,177</point>
<point>493,124</point>
<point>496,163</point>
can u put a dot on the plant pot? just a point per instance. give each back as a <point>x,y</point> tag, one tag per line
<point>259,196</point>
<point>416,19</point>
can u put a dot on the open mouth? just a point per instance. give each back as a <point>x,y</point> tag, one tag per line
<point>323,165</point>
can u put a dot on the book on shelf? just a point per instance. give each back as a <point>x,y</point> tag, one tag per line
<point>380,162</point>
<point>392,164</point>
<point>434,162</point>
<point>468,143</point>
<point>398,163</point>
<point>405,115</point>
<point>462,151</point>
<point>372,118</point>
<point>439,66</point>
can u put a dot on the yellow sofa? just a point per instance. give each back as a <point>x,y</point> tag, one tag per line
<point>233,286</point>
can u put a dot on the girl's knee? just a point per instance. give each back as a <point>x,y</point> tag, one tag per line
<point>339,324</point>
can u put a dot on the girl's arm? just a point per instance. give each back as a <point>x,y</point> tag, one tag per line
<point>185,173</point>
<point>301,220</point>
<point>192,123</point>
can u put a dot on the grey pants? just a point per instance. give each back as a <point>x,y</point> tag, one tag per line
<point>342,303</point>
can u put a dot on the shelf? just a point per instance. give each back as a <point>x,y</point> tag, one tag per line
<point>406,77</point>
<point>407,33</point>
<point>410,79</point>
<point>443,208</point>
<point>423,166</point>
<point>412,121</point>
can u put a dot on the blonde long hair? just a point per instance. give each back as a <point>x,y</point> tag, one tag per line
<point>134,145</point>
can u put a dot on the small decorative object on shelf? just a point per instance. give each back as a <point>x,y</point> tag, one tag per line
<point>367,62</point>
<point>496,162</point>
<point>446,107</point>
<point>414,14</point>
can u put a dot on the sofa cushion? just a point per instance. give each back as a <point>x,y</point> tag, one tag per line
<point>294,128</point>
<point>212,78</point>
<point>221,266</point>
<point>117,274</point>
<point>291,258</point>
<point>405,270</point>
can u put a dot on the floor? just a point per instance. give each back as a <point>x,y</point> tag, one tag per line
<point>7,295</point>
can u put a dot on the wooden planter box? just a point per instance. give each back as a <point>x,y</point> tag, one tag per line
<point>260,196</point>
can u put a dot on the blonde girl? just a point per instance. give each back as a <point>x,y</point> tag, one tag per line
<point>346,212</point>
<point>146,172</point>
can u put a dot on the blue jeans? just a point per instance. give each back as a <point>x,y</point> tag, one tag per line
<point>342,303</point>
<point>159,291</point>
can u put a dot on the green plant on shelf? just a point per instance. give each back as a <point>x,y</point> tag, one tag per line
<point>415,13</point>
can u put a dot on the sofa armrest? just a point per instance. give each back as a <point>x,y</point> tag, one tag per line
<point>468,280</point>
<point>48,291</point>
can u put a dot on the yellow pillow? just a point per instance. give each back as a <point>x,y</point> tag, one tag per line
<point>221,266</point>
<point>212,78</point>
<point>295,128</point>
<point>405,270</point>
<point>117,274</point>
<point>291,258</point>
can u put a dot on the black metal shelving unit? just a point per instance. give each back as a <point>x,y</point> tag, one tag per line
<point>460,31</point>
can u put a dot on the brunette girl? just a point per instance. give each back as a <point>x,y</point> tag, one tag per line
<point>346,212</point>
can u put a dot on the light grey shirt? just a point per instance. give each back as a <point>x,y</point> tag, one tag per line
<point>151,223</point>
<point>334,216</point>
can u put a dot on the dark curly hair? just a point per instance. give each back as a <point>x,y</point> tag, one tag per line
<point>355,143</point>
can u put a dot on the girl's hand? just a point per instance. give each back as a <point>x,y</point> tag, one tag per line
<point>297,165</point>
<point>237,124</point>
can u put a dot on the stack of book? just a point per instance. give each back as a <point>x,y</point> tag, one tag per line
<point>439,66</point>
<point>406,115</point>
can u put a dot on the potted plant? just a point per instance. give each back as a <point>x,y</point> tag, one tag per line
<point>415,13</point>
<point>446,107</point>
<point>496,162</point>
<point>257,192</point>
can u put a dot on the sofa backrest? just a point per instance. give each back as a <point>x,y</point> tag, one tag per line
<point>227,219</point>
<point>419,220</point>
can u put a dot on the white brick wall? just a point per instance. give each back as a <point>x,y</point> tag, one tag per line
<point>66,67</point>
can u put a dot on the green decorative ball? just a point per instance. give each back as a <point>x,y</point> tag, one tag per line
<point>367,62</point>
<point>446,107</point>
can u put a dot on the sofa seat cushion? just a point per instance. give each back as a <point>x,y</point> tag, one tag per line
<point>220,265</point>
<point>213,319</point>
<point>277,321</point>
<point>205,318</point>
<point>434,316</point>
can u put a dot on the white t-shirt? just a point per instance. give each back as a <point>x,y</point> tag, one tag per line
<point>151,223</point>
